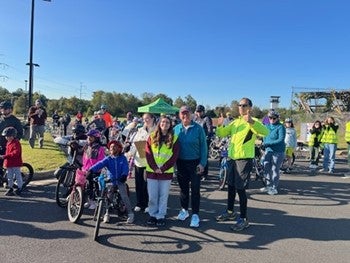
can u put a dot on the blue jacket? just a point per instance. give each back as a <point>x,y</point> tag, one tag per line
<point>193,142</point>
<point>274,141</point>
<point>117,167</point>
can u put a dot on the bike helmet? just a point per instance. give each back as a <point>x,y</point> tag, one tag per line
<point>117,143</point>
<point>9,131</point>
<point>6,105</point>
<point>200,108</point>
<point>78,129</point>
<point>94,133</point>
<point>103,107</point>
<point>289,120</point>
<point>273,114</point>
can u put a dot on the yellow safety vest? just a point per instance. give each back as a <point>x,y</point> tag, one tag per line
<point>161,155</point>
<point>329,136</point>
<point>347,132</point>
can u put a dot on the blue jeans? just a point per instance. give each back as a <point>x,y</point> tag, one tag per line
<point>272,165</point>
<point>158,192</point>
<point>329,156</point>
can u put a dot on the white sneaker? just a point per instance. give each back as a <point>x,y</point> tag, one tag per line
<point>273,191</point>
<point>183,214</point>
<point>106,218</point>
<point>137,209</point>
<point>265,189</point>
<point>90,204</point>
<point>146,210</point>
<point>131,218</point>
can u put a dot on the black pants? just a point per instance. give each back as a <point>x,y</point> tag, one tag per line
<point>141,187</point>
<point>187,177</point>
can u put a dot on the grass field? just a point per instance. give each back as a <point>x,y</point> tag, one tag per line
<point>50,157</point>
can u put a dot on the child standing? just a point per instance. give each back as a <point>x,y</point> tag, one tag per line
<point>12,160</point>
<point>117,170</point>
<point>291,142</point>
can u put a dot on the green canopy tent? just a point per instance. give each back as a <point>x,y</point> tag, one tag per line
<point>158,106</point>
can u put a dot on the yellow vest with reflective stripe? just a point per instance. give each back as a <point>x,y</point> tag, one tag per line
<point>347,132</point>
<point>329,136</point>
<point>161,155</point>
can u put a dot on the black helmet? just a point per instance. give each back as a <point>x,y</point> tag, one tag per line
<point>200,108</point>
<point>9,131</point>
<point>5,105</point>
<point>78,129</point>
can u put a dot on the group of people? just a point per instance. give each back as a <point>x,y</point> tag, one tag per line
<point>159,147</point>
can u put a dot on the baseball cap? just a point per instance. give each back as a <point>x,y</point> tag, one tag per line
<point>185,109</point>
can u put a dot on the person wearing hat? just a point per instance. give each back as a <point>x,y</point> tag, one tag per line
<point>190,164</point>
<point>275,149</point>
<point>7,119</point>
<point>97,123</point>
<point>291,143</point>
<point>108,118</point>
<point>37,117</point>
<point>207,124</point>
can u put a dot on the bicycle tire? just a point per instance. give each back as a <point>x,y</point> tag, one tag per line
<point>75,204</point>
<point>222,177</point>
<point>98,218</point>
<point>62,192</point>
<point>27,173</point>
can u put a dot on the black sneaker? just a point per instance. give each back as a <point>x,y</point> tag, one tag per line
<point>18,191</point>
<point>161,222</point>
<point>10,192</point>
<point>226,216</point>
<point>151,221</point>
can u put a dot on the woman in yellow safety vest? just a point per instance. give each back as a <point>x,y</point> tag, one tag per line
<point>162,150</point>
<point>329,140</point>
<point>314,143</point>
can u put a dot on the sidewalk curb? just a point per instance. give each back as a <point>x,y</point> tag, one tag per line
<point>43,175</point>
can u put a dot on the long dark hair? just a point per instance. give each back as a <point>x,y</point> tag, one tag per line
<point>158,138</point>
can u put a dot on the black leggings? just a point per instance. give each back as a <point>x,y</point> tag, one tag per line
<point>243,200</point>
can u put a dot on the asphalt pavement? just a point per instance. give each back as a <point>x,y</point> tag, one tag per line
<point>308,221</point>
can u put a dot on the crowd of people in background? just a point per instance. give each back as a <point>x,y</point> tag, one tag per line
<point>151,148</point>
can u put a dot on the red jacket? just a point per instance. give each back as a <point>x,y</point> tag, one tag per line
<point>13,155</point>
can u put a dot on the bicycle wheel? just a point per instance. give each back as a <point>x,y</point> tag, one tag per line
<point>62,192</point>
<point>213,150</point>
<point>27,172</point>
<point>98,218</point>
<point>75,204</point>
<point>222,177</point>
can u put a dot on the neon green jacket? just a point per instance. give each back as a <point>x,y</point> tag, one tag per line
<point>243,137</point>
<point>347,132</point>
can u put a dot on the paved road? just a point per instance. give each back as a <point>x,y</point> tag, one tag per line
<point>307,222</point>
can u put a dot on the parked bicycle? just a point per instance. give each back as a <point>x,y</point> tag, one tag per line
<point>109,200</point>
<point>223,165</point>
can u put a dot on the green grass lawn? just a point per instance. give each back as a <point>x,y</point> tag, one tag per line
<point>50,157</point>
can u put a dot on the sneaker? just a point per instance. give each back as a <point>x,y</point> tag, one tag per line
<point>241,224</point>
<point>323,170</point>
<point>331,171</point>
<point>161,222</point>
<point>226,216</point>
<point>183,214</point>
<point>272,191</point>
<point>10,192</point>
<point>151,221</point>
<point>106,218</point>
<point>18,191</point>
<point>131,218</point>
<point>287,171</point>
<point>137,209</point>
<point>346,176</point>
<point>90,204</point>
<point>195,221</point>
<point>265,189</point>
<point>146,210</point>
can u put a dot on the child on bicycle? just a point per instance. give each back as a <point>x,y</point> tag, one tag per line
<point>93,152</point>
<point>117,171</point>
<point>12,160</point>
<point>291,142</point>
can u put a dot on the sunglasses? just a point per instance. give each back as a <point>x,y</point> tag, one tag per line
<point>272,118</point>
<point>243,105</point>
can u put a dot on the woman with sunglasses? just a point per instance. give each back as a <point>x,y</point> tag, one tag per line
<point>275,148</point>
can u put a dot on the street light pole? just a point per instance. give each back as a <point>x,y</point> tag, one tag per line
<point>30,91</point>
<point>31,64</point>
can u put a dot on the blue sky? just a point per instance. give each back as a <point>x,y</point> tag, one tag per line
<point>215,50</point>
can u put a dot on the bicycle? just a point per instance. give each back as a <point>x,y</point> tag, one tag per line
<point>258,167</point>
<point>27,172</point>
<point>65,174</point>
<point>109,199</point>
<point>223,167</point>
